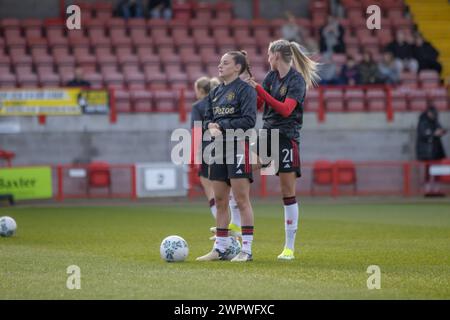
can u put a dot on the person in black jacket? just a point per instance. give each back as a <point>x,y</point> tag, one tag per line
<point>429,132</point>
<point>78,80</point>
<point>231,105</point>
<point>332,36</point>
<point>429,145</point>
<point>402,50</point>
<point>426,55</point>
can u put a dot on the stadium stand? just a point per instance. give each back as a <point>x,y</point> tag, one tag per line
<point>136,55</point>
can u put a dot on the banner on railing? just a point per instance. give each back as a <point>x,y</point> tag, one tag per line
<point>58,101</point>
<point>26,182</point>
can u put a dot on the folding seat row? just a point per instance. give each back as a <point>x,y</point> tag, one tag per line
<point>402,99</point>
<point>140,100</point>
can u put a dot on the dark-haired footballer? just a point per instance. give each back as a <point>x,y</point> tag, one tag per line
<point>232,105</point>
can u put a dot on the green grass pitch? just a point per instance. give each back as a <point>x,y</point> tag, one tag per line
<point>117,249</point>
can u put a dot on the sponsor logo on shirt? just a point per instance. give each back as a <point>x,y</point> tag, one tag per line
<point>230,96</point>
<point>220,111</point>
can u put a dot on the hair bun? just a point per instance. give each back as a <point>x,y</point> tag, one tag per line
<point>243,52</point>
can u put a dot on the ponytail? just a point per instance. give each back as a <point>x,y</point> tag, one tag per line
<point>240,57</point>
<point>305,65</point>
<point>248,67</point>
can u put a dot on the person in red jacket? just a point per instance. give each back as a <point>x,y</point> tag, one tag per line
<point>283,94</point>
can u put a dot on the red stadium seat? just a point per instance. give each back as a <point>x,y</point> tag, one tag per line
<point>115,24</point>
<point>10,23</point>
<point>352,44</point>
<point>334,100</point>
<point>346,173</point>
<point>225,45</point>
<point>203,10</point>
<point>134,77</point>
<point>126,59</point>
<point>399,102</point>
<point>384,38</point>
<point>245,43</point>
<point>202,39</point>
<point>158,27</point>
<point>322,174</point>
<point>182,10</point>
<point>139,37</point>
<point>20,58</point>
<point>155,78</point>
<point>96,79</point>
<point>123,101</point>
<point>439,98</point>
<point>114,80</point>
<point>261,31</point>
<point>7,80</point>
<point>162,41</point>
<point>99,176</point>
<point>103,10</point>
<point>32,28</point>
<point>136,23</point>
<point>177,80</point>
<point>40,56</point>
<point>408,79</point>
<point>417,100</point>
<point>189,57</point>
<point>142,100</point>
<point>66,73</point>
<point>169,57</point>
<point>429,78</point>
<point>117,33</point>
<point>13,38</point>
<point>312,101</point>
<point>44,69</point>
<point>241,28</point>
<point>224,10</point>
<point>190,99</point>
<point>62,56</point>
<point>49,79</point>
<point>354,99</point>
<point>27,80</point>
<point>376,100</point>
<point>147,57</point>
<point>164,101</point>
<point>212,70</point>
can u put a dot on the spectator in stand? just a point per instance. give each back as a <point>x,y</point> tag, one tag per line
<point>425,54</point>
<point>388,69</point>
<point>130,9</point>
<point>332,36</point>
<point>402,51</point>
<point>429,145</point>
<point>368,69</point>
<point>160,9</point>
<point>350,72</point>
<point>78,80</point>
<point>328,71</point>
<point>292,31</point>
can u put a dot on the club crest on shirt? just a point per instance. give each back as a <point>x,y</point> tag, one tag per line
<point>283,90</point>
<point>230,96</point>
